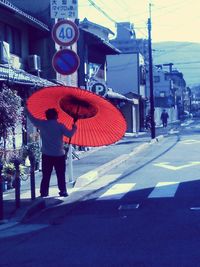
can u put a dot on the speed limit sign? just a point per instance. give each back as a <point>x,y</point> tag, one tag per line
<point>65,32</point>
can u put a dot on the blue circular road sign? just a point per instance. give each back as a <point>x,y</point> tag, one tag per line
<point>65,61</point>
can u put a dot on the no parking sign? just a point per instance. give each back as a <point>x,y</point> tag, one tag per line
<point>65,33</point>
<point>65,61</point>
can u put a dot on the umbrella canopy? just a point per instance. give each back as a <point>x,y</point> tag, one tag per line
<point>98,121</point>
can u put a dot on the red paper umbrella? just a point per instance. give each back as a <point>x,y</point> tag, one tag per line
<point>98,121</point>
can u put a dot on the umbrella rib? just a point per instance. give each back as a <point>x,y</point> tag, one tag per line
<point>104,127</point>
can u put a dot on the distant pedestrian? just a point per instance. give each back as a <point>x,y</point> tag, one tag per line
<point>164,117</point>
<point>53,154</point>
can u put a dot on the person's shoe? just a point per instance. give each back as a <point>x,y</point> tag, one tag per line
<point>63,194</point>
<point>44,195</point>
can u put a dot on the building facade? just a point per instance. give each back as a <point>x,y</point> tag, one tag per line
<point>24,47</point>
<point>126,74</point>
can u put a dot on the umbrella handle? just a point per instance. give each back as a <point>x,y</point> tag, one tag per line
<point>75,119</point>
<point>76,115</point>
<point>70,139</point>
<point>68,146</point>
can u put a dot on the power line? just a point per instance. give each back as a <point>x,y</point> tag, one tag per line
<point>110,18</point>
<point>102,11</point>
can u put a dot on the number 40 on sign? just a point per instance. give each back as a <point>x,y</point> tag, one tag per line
<point>65,32</point>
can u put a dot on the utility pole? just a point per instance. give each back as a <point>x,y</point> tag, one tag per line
<point>153,134</point>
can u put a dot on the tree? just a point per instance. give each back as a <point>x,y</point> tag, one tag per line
<point>10,113</point>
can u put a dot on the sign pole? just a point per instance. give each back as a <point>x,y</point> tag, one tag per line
<point>70,167</point>
<point>66,61</point>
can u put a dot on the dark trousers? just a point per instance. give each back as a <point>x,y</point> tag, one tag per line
<point>48,162</point>
<point>164,123</point>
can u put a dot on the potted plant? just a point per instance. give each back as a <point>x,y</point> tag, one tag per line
<point>8,173</point>
<point>32,151</point>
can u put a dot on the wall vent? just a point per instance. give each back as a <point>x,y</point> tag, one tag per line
<point>34,63</point>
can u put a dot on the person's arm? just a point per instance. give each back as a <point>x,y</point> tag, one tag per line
<point>67,132</point>
<point>36,122</point>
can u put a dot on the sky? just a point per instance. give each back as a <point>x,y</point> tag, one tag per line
<point>172,20</point>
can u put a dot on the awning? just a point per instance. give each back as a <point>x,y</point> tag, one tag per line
<point>114,95</point>
<point>21,77</point>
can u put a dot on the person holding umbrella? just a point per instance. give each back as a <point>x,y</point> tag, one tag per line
<point>53,154</point>
<point>99,122</point>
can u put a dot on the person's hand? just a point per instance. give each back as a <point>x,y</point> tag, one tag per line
<point>75,119</point>
<point>74,128</point>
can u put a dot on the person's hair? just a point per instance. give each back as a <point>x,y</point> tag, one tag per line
<point>51,114</point>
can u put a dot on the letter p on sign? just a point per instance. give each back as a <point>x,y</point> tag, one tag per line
<point>99,88</point>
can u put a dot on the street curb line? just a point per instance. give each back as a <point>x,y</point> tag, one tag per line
<point>39,205</point>
<point>93,175</point>
<point>86,179</point>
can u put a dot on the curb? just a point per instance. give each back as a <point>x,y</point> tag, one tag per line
<point>38,205</point>
<point>81,182</point>
<point>41,204</point>
<point>34,208</point>
<point>91,176</point>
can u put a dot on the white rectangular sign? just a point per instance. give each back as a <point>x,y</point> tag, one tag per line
<point>63,9</point>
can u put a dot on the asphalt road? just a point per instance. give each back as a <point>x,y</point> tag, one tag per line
<point>146,214</point>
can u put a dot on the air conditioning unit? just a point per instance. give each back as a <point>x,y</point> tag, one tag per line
<point>34,63</point>
<point>4,52</point>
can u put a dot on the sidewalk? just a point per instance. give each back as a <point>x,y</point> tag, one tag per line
<point>92,164</point>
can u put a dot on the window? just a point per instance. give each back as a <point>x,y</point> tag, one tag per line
<point>2,31</point>
<point>12,36</point>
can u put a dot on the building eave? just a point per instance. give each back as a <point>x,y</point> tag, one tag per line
<point>101,43</point>
<point>23,16</point>
<point>115,95</point>
<point>84,23</point>
<point>17,76</point>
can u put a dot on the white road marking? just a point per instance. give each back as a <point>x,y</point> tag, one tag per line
<point>164,189</point>
<point>117,191</point>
